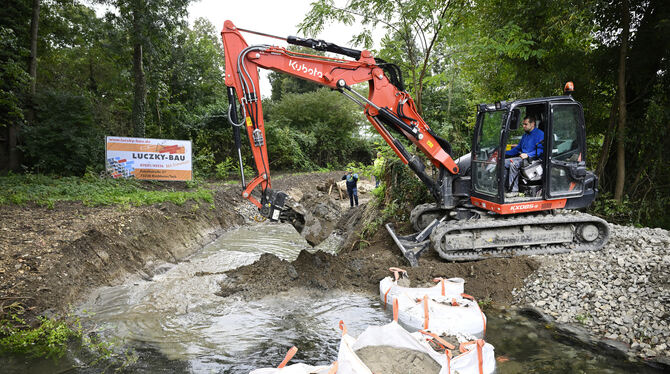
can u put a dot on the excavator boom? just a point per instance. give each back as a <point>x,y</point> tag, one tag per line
<point>387,107</point>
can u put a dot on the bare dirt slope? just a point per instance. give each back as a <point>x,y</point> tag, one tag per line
<point>51,258</point>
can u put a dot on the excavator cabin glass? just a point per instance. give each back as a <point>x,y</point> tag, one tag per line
<point>486,151</point>
<point>567,150</point>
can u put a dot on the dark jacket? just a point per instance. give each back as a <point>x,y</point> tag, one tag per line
<point>351,179</point>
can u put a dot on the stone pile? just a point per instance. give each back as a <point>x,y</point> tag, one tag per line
<point>620,293</point>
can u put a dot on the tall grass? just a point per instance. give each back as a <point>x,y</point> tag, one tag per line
<point>46,190</point>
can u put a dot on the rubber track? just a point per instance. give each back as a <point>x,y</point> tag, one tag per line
<point>567,217</point>
<point>420,210</point>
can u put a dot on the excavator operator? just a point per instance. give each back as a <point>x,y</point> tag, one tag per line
<point>530,147</point>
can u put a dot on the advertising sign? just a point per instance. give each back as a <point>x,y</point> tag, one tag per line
<point>141,158</point>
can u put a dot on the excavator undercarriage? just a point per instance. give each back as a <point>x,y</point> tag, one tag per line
<point>485,235</point>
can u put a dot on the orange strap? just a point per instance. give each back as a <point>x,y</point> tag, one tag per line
<point>448,353</point>
<point>387,292</point>
<point>462,346</point>
<point>480,344</point>
<point>483,319</point>
<point>333,369</point>
<point>396,272</point>
<point>395,309</point>
<point>441,280</point>
<point>343,327</point>
<point>441,341</point>
<point>289,355</point>
<point>466,296</point>
<point>425,312</point>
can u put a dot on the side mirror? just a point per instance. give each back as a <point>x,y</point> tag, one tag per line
<point>514,119</point>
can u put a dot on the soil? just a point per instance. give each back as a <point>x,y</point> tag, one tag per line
<point>391,360</point>
<point>51,258</point>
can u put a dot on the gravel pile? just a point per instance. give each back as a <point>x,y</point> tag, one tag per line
<point>621,292</point>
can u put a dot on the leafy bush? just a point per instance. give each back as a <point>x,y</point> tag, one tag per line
<point>13,78</point>
<point>64,138</point>
<point>230,168</point>
<point>286,145</point>
<point>48,340</point>
<point>315,129</point>
<point>649,212</point>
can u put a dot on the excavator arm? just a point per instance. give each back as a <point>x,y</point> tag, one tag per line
<point>387,106</point>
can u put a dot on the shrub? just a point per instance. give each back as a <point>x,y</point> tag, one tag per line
<point>64,138</point>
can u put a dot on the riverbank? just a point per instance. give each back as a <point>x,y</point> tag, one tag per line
<point>620,294</point>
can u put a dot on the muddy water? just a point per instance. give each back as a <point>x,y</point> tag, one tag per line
<point>175,323</point>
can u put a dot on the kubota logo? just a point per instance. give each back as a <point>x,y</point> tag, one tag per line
<point>302,68</point>
<point>523,206</point>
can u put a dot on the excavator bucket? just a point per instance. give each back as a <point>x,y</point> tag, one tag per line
<point>412,246</point>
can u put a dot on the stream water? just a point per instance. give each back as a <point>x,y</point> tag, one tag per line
<point>175,323</point>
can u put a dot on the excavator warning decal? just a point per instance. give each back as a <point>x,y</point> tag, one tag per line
<point>248,121</point>
<point>430,144</point>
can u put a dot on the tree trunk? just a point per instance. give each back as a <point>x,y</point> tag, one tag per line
<point>607,143</point>
<point>13,130</point>
<point>32,70</point>
<point>140,89</point>
<point>158,116</point>
<point>621,131</point>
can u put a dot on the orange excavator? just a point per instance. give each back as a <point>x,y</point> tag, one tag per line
<point>473,216</point>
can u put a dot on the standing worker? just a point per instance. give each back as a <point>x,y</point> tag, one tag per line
<point>352,187</point>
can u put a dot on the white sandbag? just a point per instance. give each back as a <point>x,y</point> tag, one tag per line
<point>390,334</point>
<point>476,357</point>
<point>444,287</point>
<point>472,357</point>
<point>442,309</point>
<point>479,359</point>
<point>295,368</point>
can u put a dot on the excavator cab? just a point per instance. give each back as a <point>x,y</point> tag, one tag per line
<point>555,178</point>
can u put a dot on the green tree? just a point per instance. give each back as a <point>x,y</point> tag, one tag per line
<point>14,43</point>
<point>64,138</point>
<point>146,22</point>
<point>324,124</point>
<point>414,29</point>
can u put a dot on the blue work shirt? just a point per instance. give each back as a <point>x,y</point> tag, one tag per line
<point>531,142</point>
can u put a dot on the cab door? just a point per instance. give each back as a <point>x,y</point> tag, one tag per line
<point>567,158</point>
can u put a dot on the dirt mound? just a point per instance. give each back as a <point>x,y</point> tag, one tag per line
<point>361,270</point>
<point>392,360</point>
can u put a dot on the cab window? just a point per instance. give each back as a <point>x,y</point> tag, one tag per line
<point>566,150</point>
<point>485,157</point>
